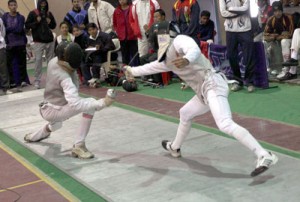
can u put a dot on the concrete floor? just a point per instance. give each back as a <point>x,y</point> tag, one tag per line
<point>131,166</point>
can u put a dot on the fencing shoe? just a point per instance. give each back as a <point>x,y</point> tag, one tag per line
<point>80,151</point>
<point>27,138</point>
<point>263,163</point>
<point>167,146</point>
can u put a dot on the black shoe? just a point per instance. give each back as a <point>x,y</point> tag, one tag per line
<point>290,62</point>
<point>288,76</point>
<point>166,144</point>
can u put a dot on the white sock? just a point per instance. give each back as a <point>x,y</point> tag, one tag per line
<point>293,70</point>
<point>43,132</point>
<point>244,137</point>
<point>85,125</point>
<point>294,54</point>
<point>182,132</point>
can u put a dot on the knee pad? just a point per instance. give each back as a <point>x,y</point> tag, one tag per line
<point>54,126</point>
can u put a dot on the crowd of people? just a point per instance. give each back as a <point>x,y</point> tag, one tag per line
<point>150,45</point>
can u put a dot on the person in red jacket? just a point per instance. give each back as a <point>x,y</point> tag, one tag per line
<point>128,40</point>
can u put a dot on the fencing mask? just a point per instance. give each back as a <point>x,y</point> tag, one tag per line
<point>166,31</point>
<point>70,53</point>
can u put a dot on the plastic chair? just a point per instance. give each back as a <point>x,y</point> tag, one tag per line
<point>111,63</point>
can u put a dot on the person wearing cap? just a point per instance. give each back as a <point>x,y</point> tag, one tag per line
<point>279,29</point>
<point>181,55</point>
<point>62,100</point>
<point>238,33</point>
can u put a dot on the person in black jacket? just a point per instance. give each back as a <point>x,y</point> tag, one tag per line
<point>81,38</point>
<point>102,42</point>
<point>41,22</point>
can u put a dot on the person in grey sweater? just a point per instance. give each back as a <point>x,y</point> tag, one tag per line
<point>62,101</point>
<point>238,33</point>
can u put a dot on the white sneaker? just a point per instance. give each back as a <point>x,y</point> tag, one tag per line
<point>264,163</point>
<point>23,84</point>
<point>80,151</point>
<point>167,145</point>
<point>27,138</point>
<point>282,73</point>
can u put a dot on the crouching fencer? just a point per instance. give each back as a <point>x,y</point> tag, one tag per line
<point>62,101</point>
<point>180,54</point>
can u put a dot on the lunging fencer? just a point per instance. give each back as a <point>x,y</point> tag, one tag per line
<point>180,54</point>
<point>62,101</point>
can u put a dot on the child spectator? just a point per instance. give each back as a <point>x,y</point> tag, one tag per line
<point>103,43</point>
<point>65,35</point>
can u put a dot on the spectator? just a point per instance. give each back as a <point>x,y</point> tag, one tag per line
<point>141,19</point>
<point>4,77</point>
<point>65,35</point>
<point>238,33</point>
<point>103,43</point>
<point>16,42</point>
<point>128,40</point>
<point>286,3</point>
<point>86,4</point>
<point>279,29</point>
<point>206,28</point>
<point>76,16</point>
<point>81,38</point>
<point>264,12</point>
<point>159,16</point>
<point>29,51</point>
<point>101,13</point>
<point>293,62</point>
<point>186,13</point>
<point>41,21</point>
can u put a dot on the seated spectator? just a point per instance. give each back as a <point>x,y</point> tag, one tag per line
<point>65,35</point>
<point>293,62</point>
<point>103,43</point>
<point>81,38</point>
<point>159,16</point>
<point>206,27</point>
<point>286,3</point>
<point>279,29</point>
<point>264,12</point>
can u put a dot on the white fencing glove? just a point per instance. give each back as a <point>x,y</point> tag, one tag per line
<point>110,97</point>
<point>128,73</point>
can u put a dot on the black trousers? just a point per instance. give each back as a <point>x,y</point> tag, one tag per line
<point>17,53</point>
<point>4,77</point>
<point>245,41</point>
<point>129,49</point>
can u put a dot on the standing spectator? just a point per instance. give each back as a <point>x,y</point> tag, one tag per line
<point>4,77</point>
<point>65,35</point>
<point>206,28</point>
<point>103,43</point>
<point>16,42</point>
<point>186,13</point>
<point>286,3</point>
<point>128,40</point>
<point>238,33</point>
<point>41,21</point>
<point>279,29</point>
<point>76,16</point>
<point>141,19</point>
<point>86,4</point>
<point>101,13</point>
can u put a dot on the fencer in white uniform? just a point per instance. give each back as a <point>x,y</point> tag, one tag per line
<point>62,101</point>
<point>182,55</point>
